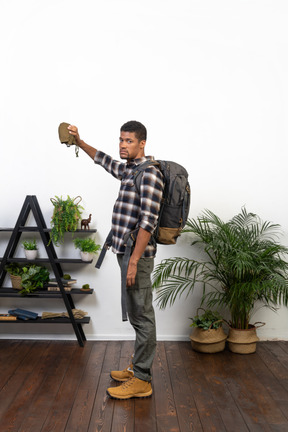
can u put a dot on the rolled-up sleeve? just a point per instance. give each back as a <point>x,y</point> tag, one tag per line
<point>151,192</point>
<point>111,165</point>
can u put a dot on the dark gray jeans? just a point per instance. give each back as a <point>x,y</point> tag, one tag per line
<point>142,318</point>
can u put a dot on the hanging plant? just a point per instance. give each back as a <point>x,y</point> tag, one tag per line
<point>65,217</point>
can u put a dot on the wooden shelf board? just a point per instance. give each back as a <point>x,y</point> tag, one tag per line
<point>10,292</point>
<point>36,229</point>
<point>39,320</point>
<point>46,260</point>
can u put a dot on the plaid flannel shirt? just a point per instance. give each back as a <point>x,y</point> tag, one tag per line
<point>131,210</point>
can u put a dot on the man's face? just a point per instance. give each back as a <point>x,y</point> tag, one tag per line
<point>130,147</point>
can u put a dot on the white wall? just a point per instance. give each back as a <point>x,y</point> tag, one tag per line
<point>207,78</point>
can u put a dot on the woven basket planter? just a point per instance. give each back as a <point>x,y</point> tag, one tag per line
<point>16,282</point>
<point>208,341</point>
<point>242,341</point>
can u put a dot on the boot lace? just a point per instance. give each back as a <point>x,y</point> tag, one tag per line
<point>128,383</point>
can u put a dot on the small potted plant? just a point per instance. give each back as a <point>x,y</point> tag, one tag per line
<point>33,277</point>
<point>30,249</point>
<point>86,287</point>
<point>27,278</point>
<point>66,216</point>
<point>87,247</point>
<point>208,335</point>
<point>15,272</point>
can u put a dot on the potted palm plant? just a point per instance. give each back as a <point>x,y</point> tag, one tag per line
<point>244,264</point>
<point>87,247</point>
<point>66,215</point>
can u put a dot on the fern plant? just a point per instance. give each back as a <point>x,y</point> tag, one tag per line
<point>30,244</point>
<point>86,245</point>
<point>243,264</point>
<point>65,217</point>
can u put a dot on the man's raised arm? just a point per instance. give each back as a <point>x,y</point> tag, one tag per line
<point>91,151</point>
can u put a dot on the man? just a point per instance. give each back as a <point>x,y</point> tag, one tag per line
<point>133,210</point>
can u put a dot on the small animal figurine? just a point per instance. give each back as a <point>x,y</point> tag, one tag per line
<point>85,222</point>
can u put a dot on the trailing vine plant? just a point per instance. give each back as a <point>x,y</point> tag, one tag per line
<point>65,217</point>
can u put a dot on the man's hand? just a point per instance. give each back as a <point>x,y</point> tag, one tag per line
<point>73,130</point>
<point>131,273</point>
<point>91,151</point>
<point>142,240</point>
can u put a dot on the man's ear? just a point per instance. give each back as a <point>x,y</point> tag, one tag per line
<point>142,144</point>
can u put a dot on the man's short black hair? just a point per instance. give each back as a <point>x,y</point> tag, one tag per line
<point>138,128</point>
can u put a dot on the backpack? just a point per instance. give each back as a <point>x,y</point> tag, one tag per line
<point>175,203</point>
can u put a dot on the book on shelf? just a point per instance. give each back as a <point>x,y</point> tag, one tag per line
<point>64,281</point>
<point>56,288</point>
<point>23,314</point>
<point>7,317</point>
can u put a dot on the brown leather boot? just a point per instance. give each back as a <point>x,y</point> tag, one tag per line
<point>134,387</point>
<point>123,375</point>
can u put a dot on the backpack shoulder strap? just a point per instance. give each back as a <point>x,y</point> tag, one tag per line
<point>138,172</point>
<point>107,245</point>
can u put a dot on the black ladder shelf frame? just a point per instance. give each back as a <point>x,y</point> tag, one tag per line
<point>31,204</point>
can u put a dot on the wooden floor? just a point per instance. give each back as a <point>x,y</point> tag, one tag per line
<point>58,386</point>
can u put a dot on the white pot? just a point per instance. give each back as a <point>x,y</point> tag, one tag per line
<point>30,254</point>
<point>86,256</point>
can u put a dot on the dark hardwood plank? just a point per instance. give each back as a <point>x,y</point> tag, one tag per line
<point>127,349</point>
<point>277,356</point>
<point>284,345</point>
<point>35,373</point>
<point>200,389</point>
<point>102,414</point>
<point>42,402</point>
<point>112,356</point>
<point>166,414</point>
<point>10,391</point>
<point>62,404</point>
<point>185,405</point>
<point>103,409</point>
<point>246,390</point>
<point>123,416</point>
<point>85,395</point>
<point>61,387</point>
<point>273,386</point>
<point>214,374</point>
<point>12,354</point>
<point>145,415</point>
